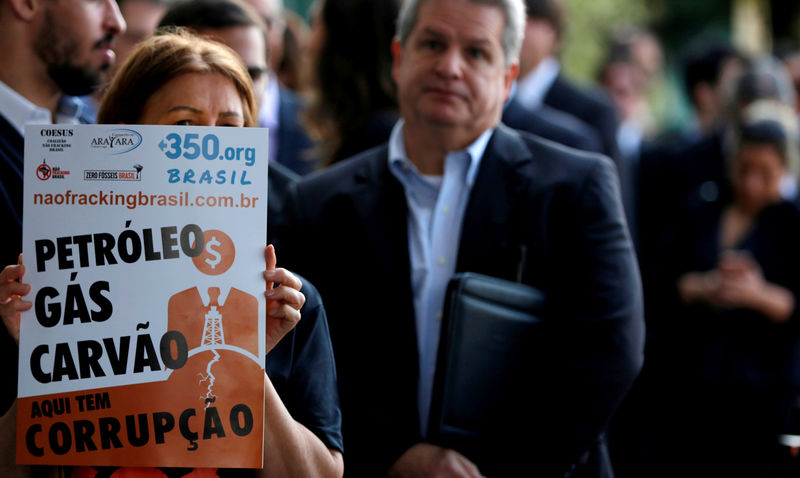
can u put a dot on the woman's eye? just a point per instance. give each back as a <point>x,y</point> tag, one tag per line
<point>185,122</point>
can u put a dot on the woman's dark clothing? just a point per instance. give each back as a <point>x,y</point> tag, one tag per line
<point>735,372</point>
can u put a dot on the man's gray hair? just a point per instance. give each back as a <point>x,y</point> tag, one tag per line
<point>513,29</point>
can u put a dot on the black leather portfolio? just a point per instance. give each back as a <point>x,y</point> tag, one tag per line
<point>488,341</point>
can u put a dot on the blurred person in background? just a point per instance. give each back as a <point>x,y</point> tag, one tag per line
<point>791,59</point>
<point>236,25</point>
<point>232,23</point>
<point>542,81</point>
<point>295,52</point>
<point>52,52</point>
<point>625,83</point>
<point>709,74</point>
<point>274,16</point>
<point>789,54</point>
<point>635,64</point>
<point>353,105</point>
<point>281,108</point>
<point>141,18</point>
<point>738,285</point>
<point>646,54</point>
<point>675,171</point>
<point>674,183</point>
<point>526,112</point>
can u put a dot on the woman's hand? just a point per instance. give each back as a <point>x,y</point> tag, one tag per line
<point>738,283</point>
<point>283,302</point>
<point>742,285</point>
<point>699,287</point>
<point>12,289</point>
<point>741,281</point>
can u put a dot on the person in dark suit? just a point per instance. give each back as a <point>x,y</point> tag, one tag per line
<point>591,108</point>
<point>282,108</point>
<point>52,52</point>
<point>454,190</point>
<point>543,83</point>
<point>735,287</point>
<point>552,124</point>
<point>291,141</point>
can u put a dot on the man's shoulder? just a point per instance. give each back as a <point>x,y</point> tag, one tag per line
<point>363,167</point>
<point>538,157</point>
<point>564,89</point>
<point>552,124</point>
<point>7,130</point>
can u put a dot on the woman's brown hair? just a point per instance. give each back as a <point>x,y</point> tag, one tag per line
<point>160,59</point>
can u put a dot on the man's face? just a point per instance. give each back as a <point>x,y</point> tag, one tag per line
<point>249,43</point>
<point>541,40</point>
<point>451,71</point>
<point>269,10</point>
<point>75,39</point>
<point>141,18</point>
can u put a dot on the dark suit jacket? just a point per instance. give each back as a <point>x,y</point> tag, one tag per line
<point>552,124</point>
<point>373,132</point>
<point>11,147</point>
<point>279,180</point>
<point>591,108</point>
<point>554,212</point>
<point>293,142</point>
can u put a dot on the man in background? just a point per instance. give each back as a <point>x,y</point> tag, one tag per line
<point>53,51</point>
<point>542,82</point>
<point>454,191</point>
<point>141,18</point>
<point>280,110</point>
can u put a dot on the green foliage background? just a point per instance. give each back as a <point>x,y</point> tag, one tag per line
<point>590,23</point>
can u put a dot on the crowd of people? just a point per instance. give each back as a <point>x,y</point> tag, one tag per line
<point>410,140</point>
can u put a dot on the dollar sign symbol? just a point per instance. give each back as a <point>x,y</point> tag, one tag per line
<point>217,256</point>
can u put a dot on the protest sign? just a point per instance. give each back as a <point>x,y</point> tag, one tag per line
<point>144,249</point>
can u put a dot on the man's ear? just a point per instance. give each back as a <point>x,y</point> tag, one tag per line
<point>25,10</point>
<point>508,79</point>
<point>397,57</point>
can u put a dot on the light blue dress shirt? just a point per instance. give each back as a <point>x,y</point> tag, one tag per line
<point>534,87</point>
<point>436,206</point>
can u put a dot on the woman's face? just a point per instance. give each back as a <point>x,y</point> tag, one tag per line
<point>196,99</point>
<point>756,175</point>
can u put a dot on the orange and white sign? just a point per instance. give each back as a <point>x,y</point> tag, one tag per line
<point>144,247</point>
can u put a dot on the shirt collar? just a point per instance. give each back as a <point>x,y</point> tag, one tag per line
<point>19,111</point>
<point>71,110</point>
<point>268,116</point>
<point>534,87</point>
<point>398,158</point>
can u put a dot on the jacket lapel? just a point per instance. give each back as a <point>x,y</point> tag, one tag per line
<point>380,204</point>
<point>487,242</point>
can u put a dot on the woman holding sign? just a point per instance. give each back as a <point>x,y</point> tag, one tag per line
<point>179,79</point>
